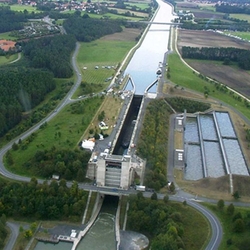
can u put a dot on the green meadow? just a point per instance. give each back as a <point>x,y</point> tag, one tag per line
<point>243,35</point>
<point>227,223</point>
<point>98,61</point>
<point>7,59</point>
<point>17,7</point>
<point>243,17</point>
<point>7,36</point>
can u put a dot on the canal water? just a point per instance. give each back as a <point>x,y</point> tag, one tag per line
<point>101,235</point>
<point>145,62</point>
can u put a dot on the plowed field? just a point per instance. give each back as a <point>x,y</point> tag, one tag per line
<point>231,76</point>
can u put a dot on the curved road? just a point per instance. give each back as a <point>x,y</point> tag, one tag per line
<point>215,225</point>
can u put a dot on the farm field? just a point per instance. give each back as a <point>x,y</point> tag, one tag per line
<point>231,76</point>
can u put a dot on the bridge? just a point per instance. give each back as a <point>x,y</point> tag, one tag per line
<point>152,22</point>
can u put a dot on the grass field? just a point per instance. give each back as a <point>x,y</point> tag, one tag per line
<point>191,218</point>
<point>133,13</point>
<point>243,17</point>
<point>243,35</point>
<point>106,53</point>
<point>7,36</point>
<point>142,6</point>
<point>18,7</point>
<point>6,60</point>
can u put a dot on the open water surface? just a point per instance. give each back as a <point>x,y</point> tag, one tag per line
<point>145,62</point>
<point>225,124</point>
<point>235,157</point>
<point>214,159</point>
<point>193,169</point>
<point>101,235</point>
<point>191,130</point>
<point>208,127</point>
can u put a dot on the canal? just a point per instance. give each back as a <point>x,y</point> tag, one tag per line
<point>142,68</point>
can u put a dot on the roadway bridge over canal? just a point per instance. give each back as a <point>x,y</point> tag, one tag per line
<point>153,22</point>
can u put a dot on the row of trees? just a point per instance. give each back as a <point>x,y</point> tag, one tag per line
<point>241,56</point>
<point>52,53</point>
<point>21,90</point>
<point>206,24</point>
<point>87,29</point>
<point>42,201</point>
<point>232,8</point>
<point>180,104</point>
<point>153,143</point>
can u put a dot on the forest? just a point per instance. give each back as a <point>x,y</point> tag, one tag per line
<point>227,55</point>
<point>11,20</point>
<point>180,104</point>
<point>52,53</point>
<point>42,201</point>
<point>87,29</point>
<point>68,164</point>
<point>168,225</point>
<point>153,218</point>
<point>21,90</point>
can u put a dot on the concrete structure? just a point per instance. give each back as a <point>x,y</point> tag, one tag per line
<point>114,171</point>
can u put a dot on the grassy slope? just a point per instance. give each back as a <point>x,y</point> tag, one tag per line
<point>6,60</point>
<point>71,131</point>
<point>192,219</point>
<point>226,221</point>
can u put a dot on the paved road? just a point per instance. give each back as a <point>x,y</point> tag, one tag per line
<point>14,227</point>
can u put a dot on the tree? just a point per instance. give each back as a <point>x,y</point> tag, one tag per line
<point>238,226</point>
<point>236,195</point>
<point>154,196</point>
<point>220,204</point>
<point>80,175</point>
<point>166,199</point>
<point>230,209</point>
<point>27,234</point>
<point>172,187</point>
